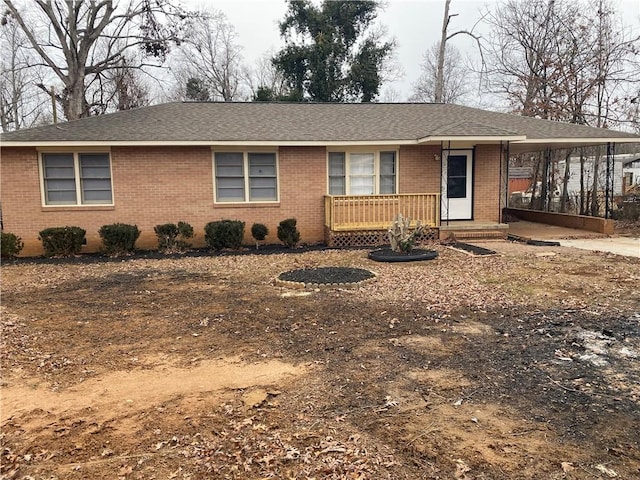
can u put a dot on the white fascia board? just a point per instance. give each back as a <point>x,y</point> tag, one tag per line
<point>201,143</point>
<point>472,138</point>
<point>581,141</point>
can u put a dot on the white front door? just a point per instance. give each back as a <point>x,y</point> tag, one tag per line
<point>457,185</point>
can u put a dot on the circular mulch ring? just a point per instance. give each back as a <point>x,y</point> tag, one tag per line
<point>388,255</point>
<point>324,276</point>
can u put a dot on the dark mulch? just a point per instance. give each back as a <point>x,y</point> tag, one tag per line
<point>327,275</point>
<point>530,241</point>
<point>474,249</point>
<point>415,255</point>
<point>543,243</point>
<point>89,258</point>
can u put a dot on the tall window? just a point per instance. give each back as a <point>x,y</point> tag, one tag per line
<point>366,173</point>
<point>246,177</point>
<point>77,178</point>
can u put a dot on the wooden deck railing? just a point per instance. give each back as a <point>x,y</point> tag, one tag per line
<point>362,212</point>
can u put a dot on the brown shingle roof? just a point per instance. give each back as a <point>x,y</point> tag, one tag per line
<point>303,122</point>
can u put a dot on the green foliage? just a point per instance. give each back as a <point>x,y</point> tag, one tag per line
<point>259,231</point>
<point>62,241</point>
<point>264,94</point>
<point>288,232</point>
<point>338,59</point>
<point>10,245</point>
<point>172,237</point>
<point>224,234</point>
<point>196,90</point>
<point>119,238</point>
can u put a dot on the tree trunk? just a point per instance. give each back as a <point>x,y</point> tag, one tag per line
<point>439,90</point>
<point>564,200</point>
<point>534,184</point>
<point>544,186</point>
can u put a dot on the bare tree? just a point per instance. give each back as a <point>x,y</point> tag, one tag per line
<point>120,88</point>
<point>523,52</point>
<point>81,40</point>
<point>211,53</point>
<point>391,95</point>
<point>555,59</point>
<point>445,36</point>
<point>264,76</point>
<point>454,80</point>
<point>22,104</point>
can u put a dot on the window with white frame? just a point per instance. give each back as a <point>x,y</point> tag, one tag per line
<point>362,173</point>
<point>246,176</point>
<point>76,178</point>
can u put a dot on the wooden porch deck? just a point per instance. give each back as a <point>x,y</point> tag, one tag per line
<point>359,220</point>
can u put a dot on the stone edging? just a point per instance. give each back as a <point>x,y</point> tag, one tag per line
<point>313,286</point>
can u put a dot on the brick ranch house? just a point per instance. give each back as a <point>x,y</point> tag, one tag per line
<point>342,170</point>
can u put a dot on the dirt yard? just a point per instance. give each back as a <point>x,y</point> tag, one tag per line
<point>524,365</point>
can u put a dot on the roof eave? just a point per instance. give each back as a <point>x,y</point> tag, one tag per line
<point>537,144</point>
<point>205,143</point>
<point>471,138</point>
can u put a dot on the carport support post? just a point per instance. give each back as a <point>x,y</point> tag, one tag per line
<point>608,194</point>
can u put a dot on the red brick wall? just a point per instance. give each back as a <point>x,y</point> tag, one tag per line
<point>419,169</point>
<point>154,185</point>
<point>20,196</point>
<point>486,200</point>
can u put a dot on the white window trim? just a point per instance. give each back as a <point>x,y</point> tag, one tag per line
<point>76,172</point>
<point>376,166</point>
<point>245,170</point>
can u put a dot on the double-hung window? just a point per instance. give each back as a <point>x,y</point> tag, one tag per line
<point>246,176</point>
<point>76,178</point>
<point>362,173</point>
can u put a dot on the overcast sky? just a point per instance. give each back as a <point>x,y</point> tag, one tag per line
<point>414,24</point>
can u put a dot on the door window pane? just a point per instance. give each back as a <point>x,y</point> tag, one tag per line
<point>457,176</point>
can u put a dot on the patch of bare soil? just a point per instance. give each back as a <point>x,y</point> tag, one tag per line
<point>524,365</point>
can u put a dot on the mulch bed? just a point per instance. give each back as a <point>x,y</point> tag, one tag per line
<point>99,257</point>
<point>388,255</point>
<point>472,249</point>
<point>530,241</point>
<point>327,276</point>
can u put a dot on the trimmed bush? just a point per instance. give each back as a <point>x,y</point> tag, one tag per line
<point>172,237</point>
<point>119,238</point>
<point>10,245</point>
<point>288,232</point>
<point>62,241</point>
<point>224,234</point>
<point>259,231</point>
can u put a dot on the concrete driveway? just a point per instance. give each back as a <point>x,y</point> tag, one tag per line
<point>627,246</point>
<point>570,237</point>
